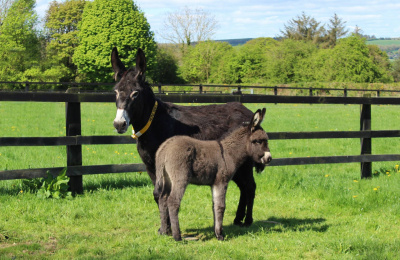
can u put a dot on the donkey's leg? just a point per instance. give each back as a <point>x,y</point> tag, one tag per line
<point>251,193</point>
<point>218,194</point>
<point>245,181</point>
<point>174,202</point>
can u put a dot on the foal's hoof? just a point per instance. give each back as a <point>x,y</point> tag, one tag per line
<point>220,238</point>
<point>166,232</point>
<point>178,238</point>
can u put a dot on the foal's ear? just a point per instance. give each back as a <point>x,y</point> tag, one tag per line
<point>257,119</point>
<point>117,65</point>
<point>140,62</point>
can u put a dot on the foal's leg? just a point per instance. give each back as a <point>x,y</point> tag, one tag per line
<point>219,193</point>
<point>165,228</point>
<point>174,202</point>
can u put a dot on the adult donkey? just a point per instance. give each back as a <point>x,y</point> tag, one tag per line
<point>155,121</point>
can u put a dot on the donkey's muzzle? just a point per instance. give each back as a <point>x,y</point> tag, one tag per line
<point>121,121</point>
<point>120,126</point>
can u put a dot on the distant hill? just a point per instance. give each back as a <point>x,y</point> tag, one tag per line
<point>390,46</point>
<point>235,42</point>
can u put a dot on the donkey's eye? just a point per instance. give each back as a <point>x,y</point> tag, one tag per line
<point>134,94</point>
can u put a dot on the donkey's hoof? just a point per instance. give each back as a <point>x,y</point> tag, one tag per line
<point>220,238</point>
<point>248,222</point>
<point>237,223</point>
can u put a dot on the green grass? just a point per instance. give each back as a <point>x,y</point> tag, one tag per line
<point>311,212</point>
<point>384,42</point>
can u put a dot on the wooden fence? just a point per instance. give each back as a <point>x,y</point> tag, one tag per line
<point>73,139</point>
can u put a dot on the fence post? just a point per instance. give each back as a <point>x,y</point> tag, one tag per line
<point>366,145</point>
<point>159,89</point>
<point>201,89</point>
<point>74,152</point>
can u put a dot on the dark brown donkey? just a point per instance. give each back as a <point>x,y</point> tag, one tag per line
<point>182,160</point>
<point>155,121</point>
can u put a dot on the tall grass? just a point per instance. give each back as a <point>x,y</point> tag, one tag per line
<point>312,212</point>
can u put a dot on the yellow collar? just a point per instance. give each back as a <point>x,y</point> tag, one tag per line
<point>144,129</point>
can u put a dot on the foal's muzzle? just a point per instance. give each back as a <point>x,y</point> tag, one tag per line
<point>121,121</point>
<point>267,158</point>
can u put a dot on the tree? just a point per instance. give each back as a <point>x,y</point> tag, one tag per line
<point>200,61</point>
<point>353,61</point>
<point>396,70</point>
<point>252,60</point>
<point>186,26</point>
<point>304,27</point>
<point>19,42</point>
<point>336,30</point>
<point>61,25</point>
<point>166,69</point>
<point>4,6</point>
<point>286,62</point>
<point>358,31</point>
<point>107,24</point>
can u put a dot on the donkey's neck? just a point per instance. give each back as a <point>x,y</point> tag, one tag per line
<point>140,120</point>
<point>234,146</point>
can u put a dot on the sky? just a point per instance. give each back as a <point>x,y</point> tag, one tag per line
<point>256,18</point>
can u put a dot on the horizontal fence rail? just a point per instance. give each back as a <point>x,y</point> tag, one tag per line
<point>199,98</point>
<point>73,140</point>
<point>163,88</point>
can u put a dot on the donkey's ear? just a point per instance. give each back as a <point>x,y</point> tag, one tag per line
<point>117,65</point>
<point>257,119</point>
<point>140,62</point>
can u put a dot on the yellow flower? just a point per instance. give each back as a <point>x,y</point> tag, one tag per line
<point>387,172</point>
<point>397,167</point>
<point>21,191</point>
<point>355,181</point>
<point>375,189</point>
<point>326,175</point>
<point>355,196</point>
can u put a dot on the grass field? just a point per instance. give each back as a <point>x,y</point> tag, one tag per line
<point>311,212</point>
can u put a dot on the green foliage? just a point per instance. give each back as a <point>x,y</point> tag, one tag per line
<point>107,24</point>
<point>201,61</point>
<point>50,187</point>
<point>61,25</point>
<point>166,69</point>
<point>252,60</point>
<point>396,70</point>
<point>19,42</point>
<point>289,61</point>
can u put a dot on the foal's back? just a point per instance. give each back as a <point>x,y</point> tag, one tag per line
<point>190,160</point>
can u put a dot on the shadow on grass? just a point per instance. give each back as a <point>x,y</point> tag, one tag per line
<point>272,224</point>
